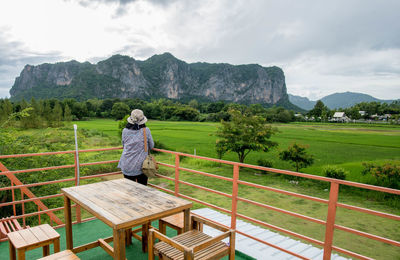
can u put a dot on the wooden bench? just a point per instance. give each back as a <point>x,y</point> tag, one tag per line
<point>193,244</point>
<point>63,255</point>
<point>31,238</point>
<point>9,225</point>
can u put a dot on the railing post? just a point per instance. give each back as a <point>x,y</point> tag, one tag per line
<point>330,220</point>
<point>176,175</point>
<point>40,219</point>
<point>23,209</point>
<point>234,195</point>
<point>77,173</point>
<point>13,198</point>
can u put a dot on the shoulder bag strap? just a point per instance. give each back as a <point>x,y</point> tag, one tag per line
<point>145,139</point>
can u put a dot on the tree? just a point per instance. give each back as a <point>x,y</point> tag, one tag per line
<point>297,154</point>
<point>244,134</point>
<point>319,110</point>
<point>193,103</point>
<point>67,113</point>
<point>119,110</point>
<point>57,114</point>
<point>79,110</point>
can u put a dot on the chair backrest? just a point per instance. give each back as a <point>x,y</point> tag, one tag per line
<point>8,226</point>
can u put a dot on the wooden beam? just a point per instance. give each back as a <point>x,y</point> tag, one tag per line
<point>109,250</point>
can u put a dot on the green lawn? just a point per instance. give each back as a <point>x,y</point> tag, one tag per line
<point>346,146</point>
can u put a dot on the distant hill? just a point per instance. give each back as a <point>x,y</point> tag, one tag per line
<point>301,102</point>
<point>160,76</point>
<point>336,100</point>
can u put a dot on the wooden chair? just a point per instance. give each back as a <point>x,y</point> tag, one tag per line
<point>193,244</point>
<point>63,255</point>
<point>174,222</point>
<point>8,226</point>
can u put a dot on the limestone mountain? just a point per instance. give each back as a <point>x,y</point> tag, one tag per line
<point>160,76</point>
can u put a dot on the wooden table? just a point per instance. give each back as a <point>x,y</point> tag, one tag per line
<point>121,204</point>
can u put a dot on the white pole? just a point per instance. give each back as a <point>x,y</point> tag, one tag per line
<point>76,150</point>
<point>194,151</point>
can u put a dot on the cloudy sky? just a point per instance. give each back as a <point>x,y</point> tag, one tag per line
<point>322,46</point>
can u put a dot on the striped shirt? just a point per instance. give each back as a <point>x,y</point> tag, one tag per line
<point>133,154</point>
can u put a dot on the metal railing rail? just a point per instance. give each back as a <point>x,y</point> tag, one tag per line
<point>329,223</point>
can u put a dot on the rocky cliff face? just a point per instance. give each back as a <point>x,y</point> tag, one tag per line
<point>159,76</point>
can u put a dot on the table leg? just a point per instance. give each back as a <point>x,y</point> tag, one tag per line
<point>13,255</point>
<point>186,220</point>
<point>128,236</point>
<point>21,254</point>
<point>119,244</point>
<point>145,236</point>
<point>57,245</point>
<point>162,227</point>
<point>46,250</point>
<point>68,222</point>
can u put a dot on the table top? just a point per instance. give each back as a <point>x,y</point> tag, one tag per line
<point>122,203</point>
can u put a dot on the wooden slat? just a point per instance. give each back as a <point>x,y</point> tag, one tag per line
<point>28,236</point>
<point>16,224</point>
<point>39,233</point>
<point>16,239</point>
<point>154,197</point>
<point>108,205</point>
<point>90,206</point>
<point>175,220</point>
<point>50,232</point>
<point>11,225</point>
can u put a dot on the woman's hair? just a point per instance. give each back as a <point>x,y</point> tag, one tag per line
<point>134,126</point>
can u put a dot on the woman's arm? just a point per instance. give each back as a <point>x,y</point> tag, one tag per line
<point>149,139</point>
<point>123,137</point>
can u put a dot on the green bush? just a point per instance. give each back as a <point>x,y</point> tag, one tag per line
<point>160,145</point>
<point>335,172</point>
<point>264,163</point>
<point>387,174</point>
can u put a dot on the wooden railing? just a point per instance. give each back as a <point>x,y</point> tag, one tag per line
<point>329,223</point>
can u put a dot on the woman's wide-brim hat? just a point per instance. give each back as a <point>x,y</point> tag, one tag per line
<point>137,117</point>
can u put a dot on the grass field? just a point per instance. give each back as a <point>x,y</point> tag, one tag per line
<point>346,146</point>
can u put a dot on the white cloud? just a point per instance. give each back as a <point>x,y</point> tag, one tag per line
<point>316,75</point>
<point>323,47</point>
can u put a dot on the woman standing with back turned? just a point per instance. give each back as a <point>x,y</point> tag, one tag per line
<point>133,154</point>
